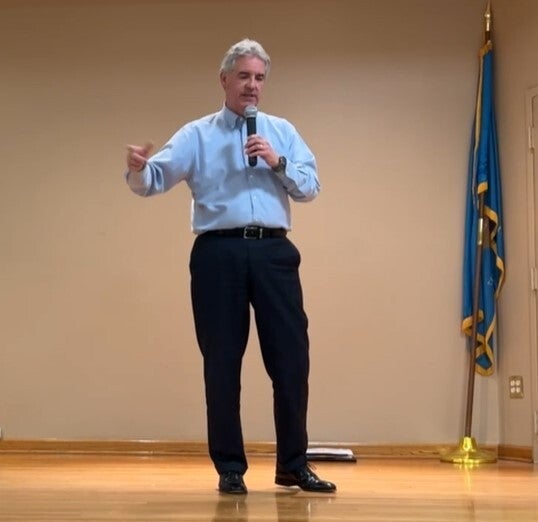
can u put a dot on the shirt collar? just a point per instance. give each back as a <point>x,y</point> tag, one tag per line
<point>231,118</point>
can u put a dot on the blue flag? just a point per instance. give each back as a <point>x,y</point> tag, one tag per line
<point>483,179</point>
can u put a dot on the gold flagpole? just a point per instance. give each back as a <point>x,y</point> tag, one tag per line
<point>468,452</point>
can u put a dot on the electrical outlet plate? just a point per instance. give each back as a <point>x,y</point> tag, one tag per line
<point>516,386</point>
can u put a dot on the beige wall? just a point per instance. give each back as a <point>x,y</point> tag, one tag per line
<point>517,68</point>
<point>96,336</point>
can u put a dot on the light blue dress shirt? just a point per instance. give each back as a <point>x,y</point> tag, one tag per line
<point>208,154</point>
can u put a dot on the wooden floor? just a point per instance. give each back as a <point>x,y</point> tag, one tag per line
<point>60,488</point>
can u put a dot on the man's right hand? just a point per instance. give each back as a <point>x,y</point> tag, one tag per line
<point>137,156</point>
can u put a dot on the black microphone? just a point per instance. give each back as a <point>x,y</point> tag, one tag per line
<point>250,115</point>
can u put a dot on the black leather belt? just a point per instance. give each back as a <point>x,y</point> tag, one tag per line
<point>249,232</point>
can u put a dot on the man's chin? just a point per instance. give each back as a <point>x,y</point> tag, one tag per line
<point>242,105</point>
<point>249,100</point>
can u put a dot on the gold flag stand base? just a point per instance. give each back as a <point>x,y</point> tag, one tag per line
<point>468,453</point>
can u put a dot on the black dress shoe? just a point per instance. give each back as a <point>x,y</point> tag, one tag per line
<point>232,482</point>
<point>305,478</point>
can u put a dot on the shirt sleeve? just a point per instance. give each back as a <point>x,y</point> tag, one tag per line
<point>300,177</point>
<point>166,168</point>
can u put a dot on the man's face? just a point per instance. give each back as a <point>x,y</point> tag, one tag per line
<point>243,85</point>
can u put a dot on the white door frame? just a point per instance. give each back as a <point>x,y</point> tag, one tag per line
<point>532,197</point>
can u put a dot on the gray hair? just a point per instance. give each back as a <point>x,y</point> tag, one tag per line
<point>245,47</point>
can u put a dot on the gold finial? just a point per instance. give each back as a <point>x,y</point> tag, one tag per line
<point>488,20</point>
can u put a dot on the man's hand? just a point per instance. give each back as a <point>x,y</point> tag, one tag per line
<point>137,156</point>
<point>258,146</point>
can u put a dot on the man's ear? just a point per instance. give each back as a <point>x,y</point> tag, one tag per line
<point>223,79</point>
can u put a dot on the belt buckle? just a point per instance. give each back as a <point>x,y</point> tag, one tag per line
<point>252,232</point>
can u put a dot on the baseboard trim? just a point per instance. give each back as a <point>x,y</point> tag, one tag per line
<point>105,447</point>
<point>186,448</point>
<point>522,453</point>
<point>196,448</point>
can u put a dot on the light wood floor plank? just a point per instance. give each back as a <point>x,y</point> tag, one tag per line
<point>59,488</point>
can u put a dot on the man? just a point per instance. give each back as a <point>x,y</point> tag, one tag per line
<point>241,257</point>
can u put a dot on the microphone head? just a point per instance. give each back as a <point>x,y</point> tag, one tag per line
<point>250,111</point>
